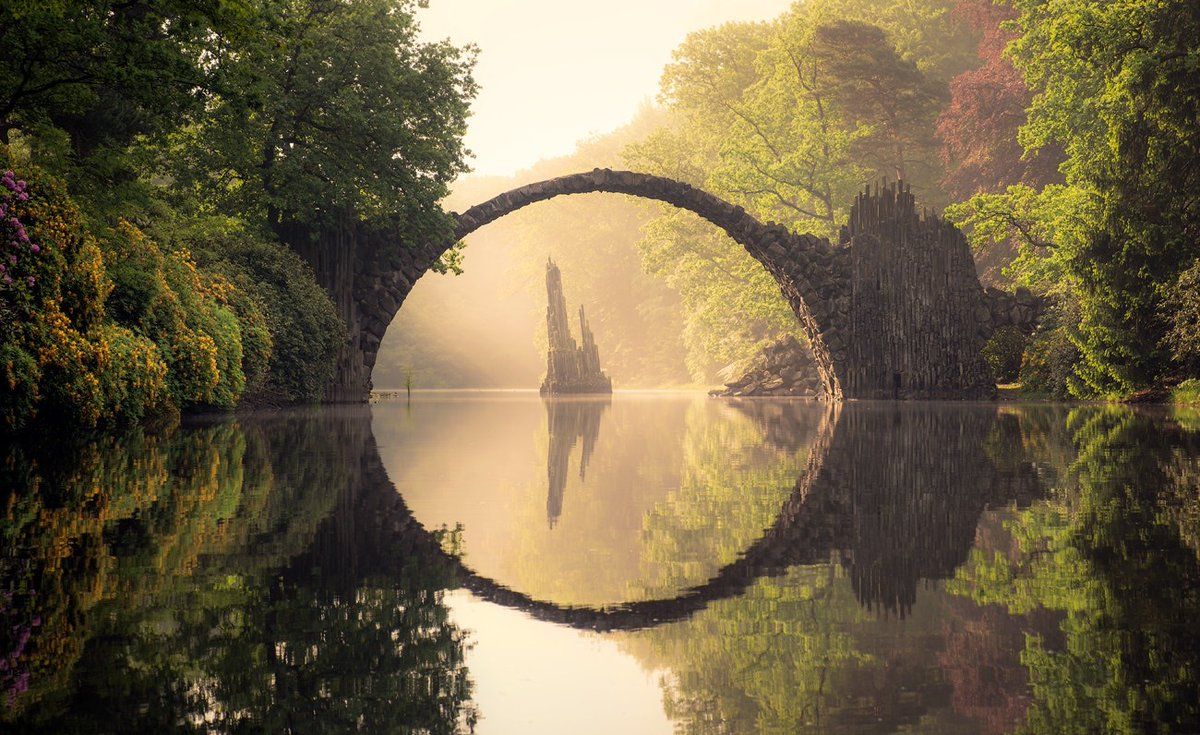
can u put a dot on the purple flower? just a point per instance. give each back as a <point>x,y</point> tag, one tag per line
<point>34,248</point>
<point>22,197</point>
<point>30,281</point>
<point>12,260</point>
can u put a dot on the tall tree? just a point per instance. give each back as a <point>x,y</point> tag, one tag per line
<point>887,98</point>
<point>978,129</point>
<point>332,107</point>
<point>1115,86</point>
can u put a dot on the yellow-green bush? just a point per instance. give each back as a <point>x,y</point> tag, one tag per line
<point>164,296</point>
<point>301,322</point>
<point>109,329</point>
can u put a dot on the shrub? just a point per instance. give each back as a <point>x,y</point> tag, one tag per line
<point>133,379</point>
<point>114,329</point>
<point>1003,353</point>
<point>304,326</point>
<point>165,297</point>
<point>1181,308</point>
<point>1048,366</point>
<point>19,380</point>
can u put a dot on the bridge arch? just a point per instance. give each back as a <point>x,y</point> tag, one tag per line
<point>799,263</point>
<point>894,310</point>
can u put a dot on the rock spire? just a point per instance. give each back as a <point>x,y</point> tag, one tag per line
<point>569,368</point>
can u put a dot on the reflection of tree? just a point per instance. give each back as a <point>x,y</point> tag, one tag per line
<point>901,489</point>
<point>163,583</point>
<point>570,420</point>
<point>733,482</point>
<point>1103,555</point>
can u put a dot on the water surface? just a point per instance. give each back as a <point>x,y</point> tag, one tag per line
<point>496,562</point>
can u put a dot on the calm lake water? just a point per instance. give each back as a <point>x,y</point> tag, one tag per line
<point>649,563</point>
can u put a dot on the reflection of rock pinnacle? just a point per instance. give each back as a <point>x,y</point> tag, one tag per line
<point>569,420</point>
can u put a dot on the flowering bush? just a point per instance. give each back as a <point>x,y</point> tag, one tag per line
<point>108,331</point>
<point>15,239</point>
<point>163,296</point>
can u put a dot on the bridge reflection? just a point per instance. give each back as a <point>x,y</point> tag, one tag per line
<point>891,491</point>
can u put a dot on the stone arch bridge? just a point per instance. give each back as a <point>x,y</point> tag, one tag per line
<point>893,310</point>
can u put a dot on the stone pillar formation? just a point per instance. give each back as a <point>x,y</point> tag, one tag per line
<point>569,368</point>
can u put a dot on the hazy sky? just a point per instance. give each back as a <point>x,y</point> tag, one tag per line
<point>553,72</point>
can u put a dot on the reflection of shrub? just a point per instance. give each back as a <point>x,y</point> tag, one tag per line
<point>1003,353</point>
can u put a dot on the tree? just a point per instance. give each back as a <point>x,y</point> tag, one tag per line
<point>978,129</point>
<point>891,102</point>
<point>789,119</point>
<point>101,70</point>
<point>329,109</point>
<point>1115,85</point>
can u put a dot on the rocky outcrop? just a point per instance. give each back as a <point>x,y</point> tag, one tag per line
<point>569,368</point>
<point>1021,309</point>
<point>783,368</point>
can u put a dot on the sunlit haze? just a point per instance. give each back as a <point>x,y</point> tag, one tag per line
<point>552,73</point>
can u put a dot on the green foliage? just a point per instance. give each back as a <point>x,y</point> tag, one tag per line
<point>789,119</point>
<point>20,377</point>
<point>303,330</point>
<point>163,296</point>
<point>141,568</point>
<point>1048,365</point>
<point>1186,393</point>
<point>328,107</point>
<point>1114,88</point>
<point>1003,353</point>
<point>1104,553</point>
<point>1181,308</point>
<point>304,115</point>
<point>114,330</point>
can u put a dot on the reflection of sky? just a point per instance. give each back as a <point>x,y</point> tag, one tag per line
<point>481,460</point>
<point>535,677</point>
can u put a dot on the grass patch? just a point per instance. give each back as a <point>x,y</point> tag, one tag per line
<point>1186,393</point>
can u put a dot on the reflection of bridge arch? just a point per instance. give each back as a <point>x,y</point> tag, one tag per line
<point>877,478</point>
<point>893,311</point>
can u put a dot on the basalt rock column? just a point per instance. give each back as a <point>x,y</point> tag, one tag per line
<point>569,368</point>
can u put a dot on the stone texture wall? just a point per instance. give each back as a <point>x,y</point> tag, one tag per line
<point>915,318</point>
<point>894,310</point>
<point>1020,309</point>
<point>783,368</point>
